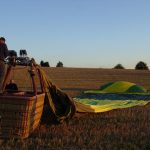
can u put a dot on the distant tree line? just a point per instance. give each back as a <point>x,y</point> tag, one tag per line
<point>59,64</point>
<point>23,53</point>
<point>46,64</point>
<point>139,66</point>
<point>119,66</point>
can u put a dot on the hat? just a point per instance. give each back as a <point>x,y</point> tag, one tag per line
<point>3,39</point>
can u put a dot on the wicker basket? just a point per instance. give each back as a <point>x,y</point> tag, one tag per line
<point>20,113</point>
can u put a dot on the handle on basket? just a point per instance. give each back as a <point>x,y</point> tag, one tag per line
<point>8,73</point>
<point>32,71</point>
<point>32,74</point>
<point>41,79</point>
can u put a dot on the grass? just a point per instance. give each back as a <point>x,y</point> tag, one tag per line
<point>118,129</point>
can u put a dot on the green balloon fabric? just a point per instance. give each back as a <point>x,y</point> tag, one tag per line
<point>94,104</point>
<point>122,87</point>
<point>103,87</point>
<point>136,89</point>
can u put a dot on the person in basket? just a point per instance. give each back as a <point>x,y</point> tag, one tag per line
<point>3,55</point>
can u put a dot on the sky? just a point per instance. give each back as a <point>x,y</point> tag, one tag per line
<point>80,33</point>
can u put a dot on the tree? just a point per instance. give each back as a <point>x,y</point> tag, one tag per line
<point>59,64</point>
<point>44,64</point>
<point>119,66</point>
<point>141,66</point>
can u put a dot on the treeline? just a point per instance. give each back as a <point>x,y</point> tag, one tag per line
<point>46,64</point>
<point>23,53</point>
<point>139,66</point>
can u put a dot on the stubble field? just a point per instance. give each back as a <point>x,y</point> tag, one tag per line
<point>117,129</point>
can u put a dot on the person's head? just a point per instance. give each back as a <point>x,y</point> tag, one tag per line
<point>12,81</point>
<point>2,40</point>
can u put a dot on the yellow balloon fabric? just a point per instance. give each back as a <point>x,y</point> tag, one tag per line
<point>85,105</point>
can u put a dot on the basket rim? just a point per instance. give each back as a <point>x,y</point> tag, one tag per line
<point>28,97</point>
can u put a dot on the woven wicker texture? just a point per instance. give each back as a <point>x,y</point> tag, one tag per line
<point>20,112</point>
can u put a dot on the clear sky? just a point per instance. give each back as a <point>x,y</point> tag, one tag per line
<point>80,33</point>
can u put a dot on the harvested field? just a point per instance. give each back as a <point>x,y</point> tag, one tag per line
<point>117,129</point>
<point>74,81</point>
